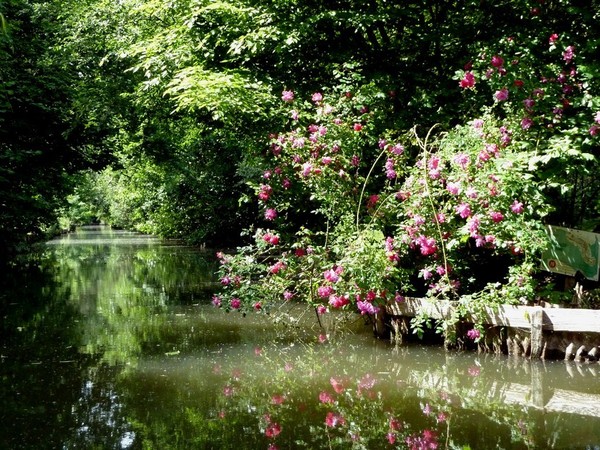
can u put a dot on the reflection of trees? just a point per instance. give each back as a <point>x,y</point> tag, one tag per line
<point>39,332</point>
<point>124,287</point>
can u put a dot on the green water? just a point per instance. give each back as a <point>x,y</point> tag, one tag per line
<point>111,342</point>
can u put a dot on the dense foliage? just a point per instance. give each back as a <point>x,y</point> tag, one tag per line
<point>395,148</point>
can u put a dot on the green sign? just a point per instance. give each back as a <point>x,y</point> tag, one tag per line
<point>572,251</point>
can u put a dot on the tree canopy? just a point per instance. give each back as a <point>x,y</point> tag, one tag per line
<point>157,115</point>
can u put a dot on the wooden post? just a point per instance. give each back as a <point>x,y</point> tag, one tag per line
<point>537,335</point>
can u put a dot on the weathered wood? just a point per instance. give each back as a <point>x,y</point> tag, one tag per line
<point>537,334</point>
<point>535,395</point>
<point>553,319</point>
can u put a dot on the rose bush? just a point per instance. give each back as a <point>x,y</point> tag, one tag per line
<point>356,215</point>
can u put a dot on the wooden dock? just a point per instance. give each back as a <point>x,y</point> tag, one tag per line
<point>539,322</point>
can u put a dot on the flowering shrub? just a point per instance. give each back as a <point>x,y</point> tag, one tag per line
<point>546,89</point>
<point>360,215</point>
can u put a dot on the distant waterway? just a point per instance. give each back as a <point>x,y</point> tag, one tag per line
<point>111,342</point>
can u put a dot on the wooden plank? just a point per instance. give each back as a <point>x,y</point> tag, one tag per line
<point>537,335</point>
<point>553,319</point>
<point>577,320</point>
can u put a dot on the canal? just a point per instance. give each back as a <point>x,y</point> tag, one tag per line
<point>111,342</point>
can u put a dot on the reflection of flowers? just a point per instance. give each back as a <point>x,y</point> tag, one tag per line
<point>323,406</point>
<point>333,419</point>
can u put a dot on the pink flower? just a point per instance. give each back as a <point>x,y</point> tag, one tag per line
<point>367,382</point>
<point>418,220</point>
<point>272,430</point>
<point>277,399</point>
<point>337,385</point>
<point>270,214</point>
<point>235,303</point>
<point>428,245</point>
<point>569,54</point>
<point>321,309</point>
<point>325,397</point>
<point>216,301</point>
<point>501,95</point>
<point>497,61</point>
<point>287,96</point>
<point>366,308</point>
<point>594,130</point>
<point>427,409</point>
<point>553,38</point>
<point>473,334</point>
<point>357,127</point>
<point>517,207</point>
<point>288,295</point>
<point>463,210</point>
<point>526,123</point>
<point>484,156</point>
<point>496,216</point>
<point>294,114</point>
<point>373,199</point>
<point>298,142</point>
<point>463,160</point>
<point>391,438</point>
<point>265,192</point>
<point>427,440</point>
<point>397,149</point>
<point>272,239</point>
<point>468,81</point>
<point>332,419</point>
<point>338,301</point>
<point>477,124</point>
<point>453,188</point>
<point>426,274</point>
<point>471,192</point>
<point>331,276</point>
<point>324,291</point>
<point>528,103</point>
<point>473,225</point>
<point>317,97</point>
<point>306,169</point>
<point>597,117</point>
<point>326,160</point>
<point>395,424</point>
<point>277,267</point>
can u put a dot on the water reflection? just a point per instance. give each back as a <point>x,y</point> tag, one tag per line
<point>112,343</point>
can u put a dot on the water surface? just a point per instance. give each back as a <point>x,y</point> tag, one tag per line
<point>112,343</point>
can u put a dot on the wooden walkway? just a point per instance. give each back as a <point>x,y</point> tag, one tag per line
<point>534,318</point>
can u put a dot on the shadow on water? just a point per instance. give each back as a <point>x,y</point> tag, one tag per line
<point>111,343</point>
